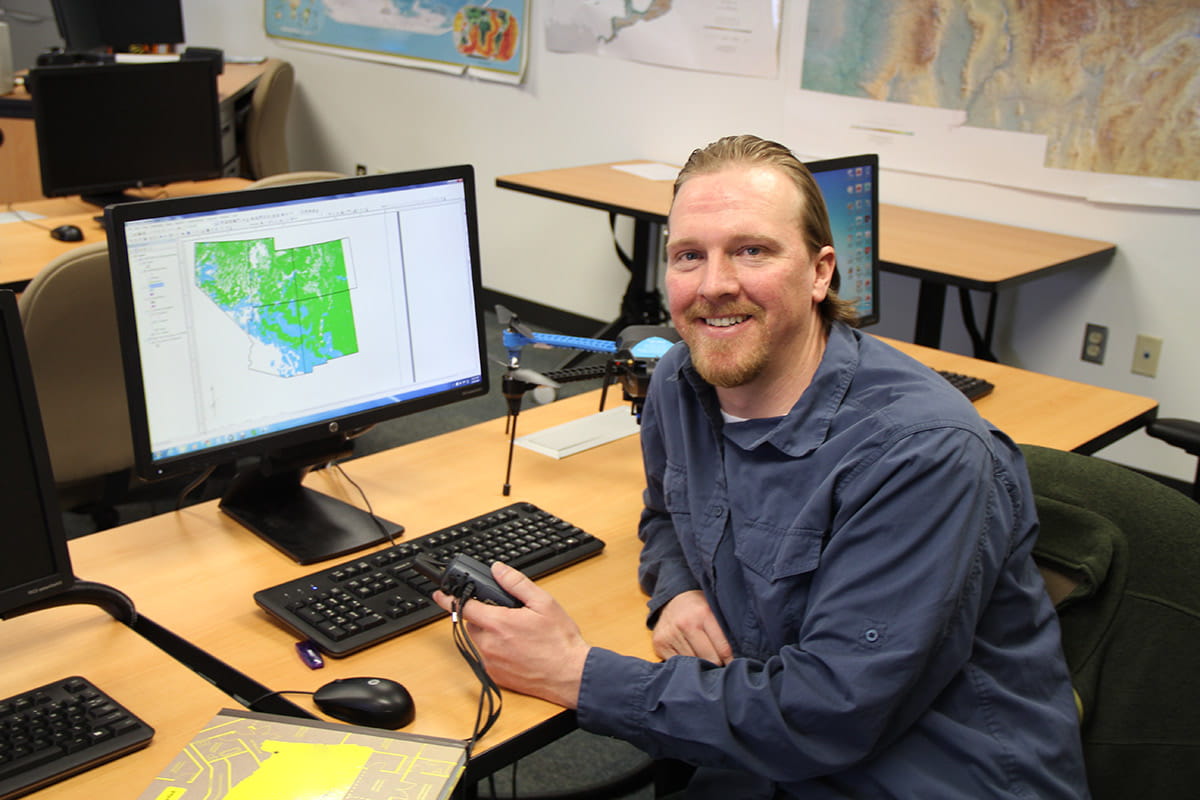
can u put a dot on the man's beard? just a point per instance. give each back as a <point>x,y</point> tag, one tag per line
<point>727,364</point>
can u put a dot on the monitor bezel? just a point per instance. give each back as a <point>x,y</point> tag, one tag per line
<point>262,447</point>
<point>51,141</point>
<point>36,590</point>
<point>861,160</point>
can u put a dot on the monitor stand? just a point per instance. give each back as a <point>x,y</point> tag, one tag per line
<point>115,602</point>
<point>306,525</point>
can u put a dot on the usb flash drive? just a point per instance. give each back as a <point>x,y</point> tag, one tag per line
<point>310,655</point>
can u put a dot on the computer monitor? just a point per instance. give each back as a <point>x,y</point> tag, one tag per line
<point>274,325</point>
<point>104,128</point>
<point>35,563</point>
<point>90,25</point>
<point>850,186</point>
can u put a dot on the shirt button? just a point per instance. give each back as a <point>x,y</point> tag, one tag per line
<point>871,635</point>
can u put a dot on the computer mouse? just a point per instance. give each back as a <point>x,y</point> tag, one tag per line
<point>374,702</point>
<point>67,233</point>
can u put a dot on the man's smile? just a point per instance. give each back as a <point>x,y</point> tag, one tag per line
<point>726,322</point>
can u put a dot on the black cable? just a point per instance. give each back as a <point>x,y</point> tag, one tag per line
<point>191,487</point>
<point>278,693</point>
<point>22,218</point>
<point>489,693</point>
<point>367,502</point>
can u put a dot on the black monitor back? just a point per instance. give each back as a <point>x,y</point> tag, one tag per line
<point>35,565</point>
<point>103,128</point>
<point>87,25</point>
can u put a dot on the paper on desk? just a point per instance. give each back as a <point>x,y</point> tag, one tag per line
<point>582,434</point>
<point>18,216</point>
<point>656,171</point>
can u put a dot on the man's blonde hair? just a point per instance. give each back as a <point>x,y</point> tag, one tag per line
<point>813,216</point>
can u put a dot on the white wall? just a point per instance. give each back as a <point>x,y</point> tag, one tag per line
<point>578,109</point>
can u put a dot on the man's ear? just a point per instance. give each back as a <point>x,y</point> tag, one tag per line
<point>824,266</point>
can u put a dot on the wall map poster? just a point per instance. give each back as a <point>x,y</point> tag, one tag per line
<point>1105,87</point>
<point>486,39</point>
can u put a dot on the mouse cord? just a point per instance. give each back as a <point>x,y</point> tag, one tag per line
<point>21,216</point>
<point>279,693</point>
<point>489,693</point>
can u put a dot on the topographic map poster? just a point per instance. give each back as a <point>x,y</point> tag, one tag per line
<point>486,39</point>
<point>1104,87</point>
<point>735,37</point>
<point>245,755</point>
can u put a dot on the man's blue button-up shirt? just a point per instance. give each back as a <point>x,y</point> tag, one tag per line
<point>869,557</point>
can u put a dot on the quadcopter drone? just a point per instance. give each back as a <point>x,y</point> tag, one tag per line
<point>631,361</point>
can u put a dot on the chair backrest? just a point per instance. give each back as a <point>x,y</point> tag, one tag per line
<point>285,178</point>
<point>1129,548</point>
<point>266,137</point>
<point>70,324</point>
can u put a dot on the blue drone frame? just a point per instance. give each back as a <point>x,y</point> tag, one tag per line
<point>632,358</point>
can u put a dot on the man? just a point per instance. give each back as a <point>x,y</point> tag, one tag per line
<point>836,546</point>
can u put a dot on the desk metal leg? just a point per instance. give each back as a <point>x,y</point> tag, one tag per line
<point>931,303</point>
<point>642,304</point>
<point>981,342</point>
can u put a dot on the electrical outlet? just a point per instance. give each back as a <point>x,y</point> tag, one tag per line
<point>1145,355</point>
<point>1095,341</point>
<point>360,169</point>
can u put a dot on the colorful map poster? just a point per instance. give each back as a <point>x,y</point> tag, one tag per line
<point>245,755</point>
<point>1105,89</point>
<point>486,39</point>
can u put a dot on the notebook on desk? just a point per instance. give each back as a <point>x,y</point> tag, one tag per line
<point>68,724</point>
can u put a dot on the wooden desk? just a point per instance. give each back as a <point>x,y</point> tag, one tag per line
<point>195,571</point>
<point>1040,409</point>
<point>199,568</point>
<point>26,247</point>
<point>20,176</point>
<point>938,249</point>
<point>83,640</point>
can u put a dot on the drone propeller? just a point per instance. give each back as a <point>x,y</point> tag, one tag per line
<point>509,319</point>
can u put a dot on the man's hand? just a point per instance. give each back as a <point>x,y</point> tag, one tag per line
<point>536,650</point>
<point>687,627</point>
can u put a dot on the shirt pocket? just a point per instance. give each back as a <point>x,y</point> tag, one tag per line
<point>775,553</point>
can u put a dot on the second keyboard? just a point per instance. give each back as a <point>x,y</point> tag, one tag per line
<point>361,602</point>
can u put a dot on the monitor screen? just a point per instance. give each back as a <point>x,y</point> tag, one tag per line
<point>104,128</point>
<point>850,186</point>
<point>35,565</point>
<point>280,322</point>
<point>87,25</point>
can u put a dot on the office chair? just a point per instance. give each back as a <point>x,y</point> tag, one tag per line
<point>285,178</point>
<point>1121,553</point>
<point>70,325</point>
<point>266,138</point>
<point>1183,433</point>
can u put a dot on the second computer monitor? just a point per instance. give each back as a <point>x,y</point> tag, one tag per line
<point>104,128</point>
<point>93,25</point>
<point>850,186</point>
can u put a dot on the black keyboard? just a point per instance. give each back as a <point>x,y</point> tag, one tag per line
<point>60,729</point>
<point>974,388</point>
<point>366,600</point>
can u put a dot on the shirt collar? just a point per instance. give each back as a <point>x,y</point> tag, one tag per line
<point>803,428</point>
